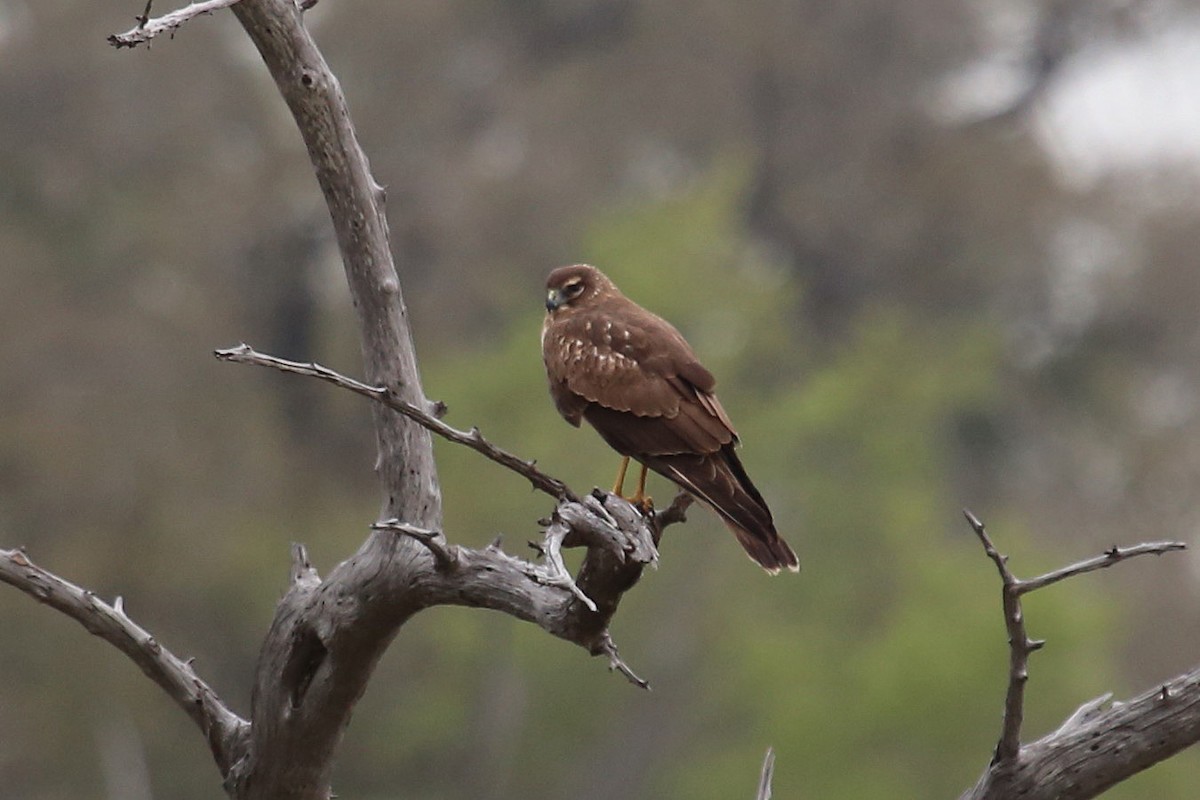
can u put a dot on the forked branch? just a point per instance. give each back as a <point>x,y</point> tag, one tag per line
<point>1031,767</point>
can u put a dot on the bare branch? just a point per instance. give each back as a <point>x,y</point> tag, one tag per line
<point>326,638</point>
<point>148,28</point>
<point>443,553</point>
<point>768,772</point>
<point>224,730</point>
<point>1019,648</point>
<point>609,648</point>
<point>1094,748</point>
<point>1115,555</point>
<point>1098,747</point>
<point>677,511</point>
<point>244,354</point>
<point>619,546</point>
<point>327,635</point>
<point>303,572</point>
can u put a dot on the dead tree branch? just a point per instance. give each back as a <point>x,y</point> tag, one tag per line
<point>1114,555</point>
<point>245,354</point>
<point>329,633</point>
<point>1066,764</point>
<point>148,28</point>
<point>224,730</point>
<point>766,776</point>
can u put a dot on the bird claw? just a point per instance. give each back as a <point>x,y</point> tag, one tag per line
<point>644,504</point>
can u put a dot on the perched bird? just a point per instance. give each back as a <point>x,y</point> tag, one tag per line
<point>635,379</point>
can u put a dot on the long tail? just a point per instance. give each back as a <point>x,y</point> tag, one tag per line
<point>720,482</point>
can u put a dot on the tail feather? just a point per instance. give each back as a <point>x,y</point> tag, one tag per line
<point>772,554</point>
<point>720,482</point>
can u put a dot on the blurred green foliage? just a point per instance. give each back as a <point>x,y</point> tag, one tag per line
<point>927,315</point>
<point>878,672</point>
<point>141,200</point>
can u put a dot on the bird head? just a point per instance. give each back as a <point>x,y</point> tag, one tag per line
<point>570,286</point>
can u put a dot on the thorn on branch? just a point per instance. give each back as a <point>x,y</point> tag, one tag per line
<point>444,555</point>
<point>303,571</point>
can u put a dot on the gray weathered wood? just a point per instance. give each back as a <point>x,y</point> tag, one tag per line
<point>1097,749</point>
<point>1093,749</point>
<point>224,730</point>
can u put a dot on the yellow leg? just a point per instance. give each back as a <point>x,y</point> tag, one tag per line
<point>640,498</point>
<point>620,484</point>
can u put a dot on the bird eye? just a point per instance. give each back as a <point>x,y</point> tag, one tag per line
<point>573,289</point>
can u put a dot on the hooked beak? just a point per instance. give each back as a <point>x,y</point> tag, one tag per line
<point>554,299</point>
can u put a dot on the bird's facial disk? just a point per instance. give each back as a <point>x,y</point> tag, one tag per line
<point>559,296</point>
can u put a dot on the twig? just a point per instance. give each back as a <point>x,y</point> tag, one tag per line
<point>303,572</point>
<point>1019,643</point>
<point>768,772</point>
<point>1019,648</point>
<point>676,512</point>
<point>245,354</point>
<point>1115,555</point>
<point>148,28</point>
<point>609,648</point>
<point>224,730</point>
<point>443,553</point>
<point>145,17</point>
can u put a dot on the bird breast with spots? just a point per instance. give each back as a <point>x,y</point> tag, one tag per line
<point>605,362</point>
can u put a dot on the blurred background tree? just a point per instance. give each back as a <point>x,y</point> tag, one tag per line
<point>952,248</point>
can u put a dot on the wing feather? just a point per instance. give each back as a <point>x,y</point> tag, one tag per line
<point>630,361</point>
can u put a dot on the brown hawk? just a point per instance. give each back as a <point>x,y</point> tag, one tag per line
<point>632,376</point>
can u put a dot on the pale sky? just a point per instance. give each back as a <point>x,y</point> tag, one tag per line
<point>1126,107</point>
